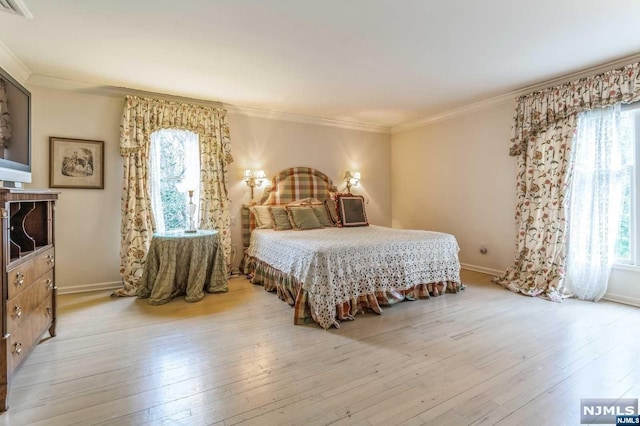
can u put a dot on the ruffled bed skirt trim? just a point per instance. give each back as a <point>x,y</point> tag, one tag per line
<point>290,290</point>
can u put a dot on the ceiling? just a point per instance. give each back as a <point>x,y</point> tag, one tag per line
<point>380,62</point>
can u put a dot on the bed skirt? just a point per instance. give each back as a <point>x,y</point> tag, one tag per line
<point>290,290</point>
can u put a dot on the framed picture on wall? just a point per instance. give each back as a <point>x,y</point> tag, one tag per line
<point>76,163</point>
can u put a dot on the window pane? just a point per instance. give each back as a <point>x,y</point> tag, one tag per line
<point>624,249</point>
<point>623,245</point>
<point>175,169</point>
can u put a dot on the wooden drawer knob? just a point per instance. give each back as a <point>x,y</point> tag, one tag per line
<point>17,348</point>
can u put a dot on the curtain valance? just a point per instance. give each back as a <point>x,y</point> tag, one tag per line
<point>142,116</point>
<point>538,111</point>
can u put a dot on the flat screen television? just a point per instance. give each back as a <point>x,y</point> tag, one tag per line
<point>15,131</point>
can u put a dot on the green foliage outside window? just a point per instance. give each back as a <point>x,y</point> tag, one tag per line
<point>173,169</point>
<point>623,245</point>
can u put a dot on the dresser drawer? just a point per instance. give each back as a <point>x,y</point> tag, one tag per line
<point>20,307</point>
<point>21,276</point>
<point>25,337</point>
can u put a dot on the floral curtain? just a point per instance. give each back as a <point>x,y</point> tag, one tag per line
<point>538,111</point>
<point>542,134</point>
<point>214,199</point>
<point>602,150</point>
<point>5,118</point>
<point>141,117</point>
<point>540,214</point>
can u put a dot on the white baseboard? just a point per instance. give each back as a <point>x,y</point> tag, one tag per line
<point>89,287</point>
<point>612,297</point>
<point>105,286</point>
<point>481,269</point>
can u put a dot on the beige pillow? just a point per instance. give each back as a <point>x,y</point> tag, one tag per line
<point>280,218</point>
<point>304,202</point>
<point>263,217</point>
<point>303,218</point>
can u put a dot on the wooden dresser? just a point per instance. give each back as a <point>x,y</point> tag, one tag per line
<point>28,307</point>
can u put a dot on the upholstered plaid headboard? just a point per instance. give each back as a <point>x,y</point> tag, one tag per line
<point>289,185</point>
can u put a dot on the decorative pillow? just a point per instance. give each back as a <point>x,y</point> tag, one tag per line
<point>254,213</point>
<point>332,209</point>
<point>303,218</point>
<point>351,210</point>
<point>263,216</point>
<point>280,217</point>
<point>322,214</point>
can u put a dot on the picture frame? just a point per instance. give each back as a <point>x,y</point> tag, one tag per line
<point>351,210</point>
<point>76,163</point>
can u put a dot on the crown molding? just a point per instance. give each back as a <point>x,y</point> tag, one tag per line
<point>23,74</point>
<point>511,96</point>
<point>61,83</point>
<point>306,119</point>
<point>109,91</point>
<point>465,109</point>
<point>120,92</point>
<point>13,65</point>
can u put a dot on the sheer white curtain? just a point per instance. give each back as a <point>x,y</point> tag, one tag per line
<point>601,146</point>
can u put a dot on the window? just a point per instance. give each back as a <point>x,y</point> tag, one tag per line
<point>174,170</point>
<point>627,250</point>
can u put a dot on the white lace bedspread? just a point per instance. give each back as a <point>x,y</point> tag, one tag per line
<point>335,265</point>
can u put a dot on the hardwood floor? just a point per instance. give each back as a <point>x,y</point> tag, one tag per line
<point>484,356</point>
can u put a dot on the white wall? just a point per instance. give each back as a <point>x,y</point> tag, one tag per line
<point>453,176</point>
<point>275,145</point>
<point>456,176</point>
<point>624,285</point>
<point>88,221</point>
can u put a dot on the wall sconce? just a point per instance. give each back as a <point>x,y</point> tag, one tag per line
<point>351,179</point>
<point>253,179</point>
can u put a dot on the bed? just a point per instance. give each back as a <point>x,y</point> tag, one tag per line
<point>333,273</point>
